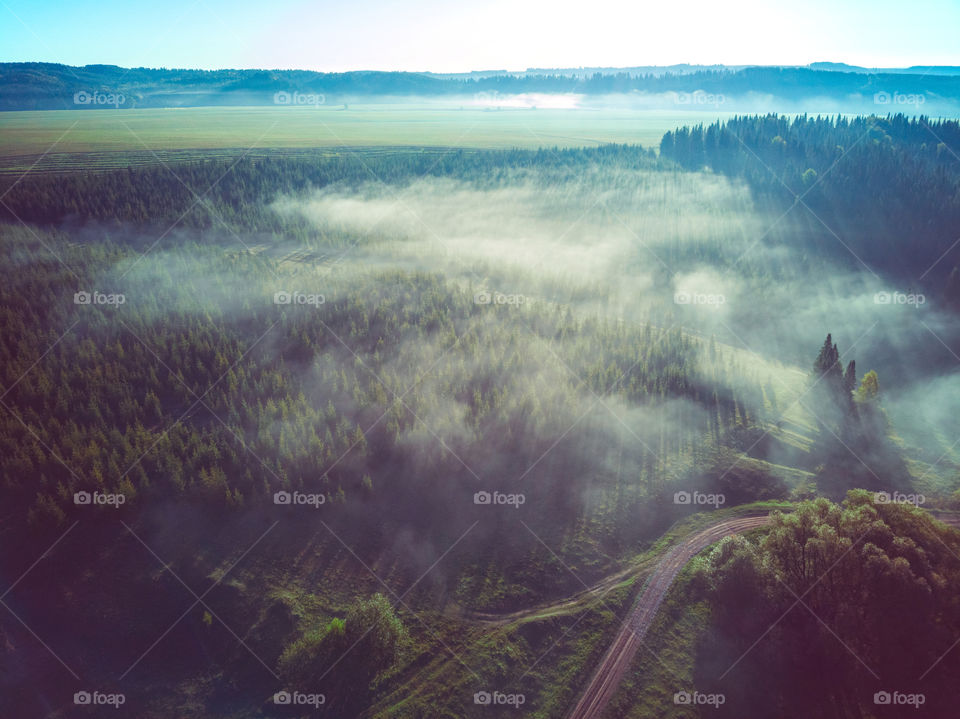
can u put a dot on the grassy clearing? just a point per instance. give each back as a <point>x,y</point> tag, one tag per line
<point>547,660</point>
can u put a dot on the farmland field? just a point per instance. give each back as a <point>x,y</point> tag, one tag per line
<point>122,137</point>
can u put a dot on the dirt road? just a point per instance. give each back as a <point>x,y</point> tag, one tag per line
<point>617,660</point>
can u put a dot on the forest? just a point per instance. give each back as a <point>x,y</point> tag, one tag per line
<point>883,180</point>
<point>874,611</point>
<point>39,86</point>
<point>366,350</point>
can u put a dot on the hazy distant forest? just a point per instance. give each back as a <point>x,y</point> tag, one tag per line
<point>637,340</point>
<point>38,86</point>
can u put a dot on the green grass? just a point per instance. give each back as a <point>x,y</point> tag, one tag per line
<point>548,660</point>
<point>562,644</point>
<point>24,136</point>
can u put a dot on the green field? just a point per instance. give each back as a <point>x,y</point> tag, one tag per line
<point>121,136</point>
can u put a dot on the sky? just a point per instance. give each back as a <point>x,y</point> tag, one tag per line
<point>458,36</point>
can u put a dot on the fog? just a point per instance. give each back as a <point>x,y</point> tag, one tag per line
<point>530,375</point>
<point>695,101</point>
<point>688,249</point>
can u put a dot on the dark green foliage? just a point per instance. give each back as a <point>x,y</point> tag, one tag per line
<point>869,181</point>
<point>342,659</point>
<point>878,610</point>
<point>223,194</point>
<point>854,448</point>
<point>850,376</point>
<point>305,398</point>
<point>396,399</point>
<point>831,388</point>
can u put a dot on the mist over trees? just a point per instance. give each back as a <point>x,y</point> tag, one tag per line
<point>853,443</point>
<point>238,192</point>
<point>594,329</point>
<point>36,86</point>
<point>314,408</point>
<point>882,183</point>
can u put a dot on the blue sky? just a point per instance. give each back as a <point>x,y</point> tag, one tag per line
<point>489,34</point>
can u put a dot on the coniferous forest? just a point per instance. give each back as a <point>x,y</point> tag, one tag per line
<point>463,429</point>
<point>198,340</point>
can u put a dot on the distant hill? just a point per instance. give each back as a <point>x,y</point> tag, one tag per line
<point>686,69</point>
<point>912,70</point>
<point>47,86</point>
<point>655,70</point>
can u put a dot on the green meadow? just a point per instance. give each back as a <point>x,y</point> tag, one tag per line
<point>119,134</point>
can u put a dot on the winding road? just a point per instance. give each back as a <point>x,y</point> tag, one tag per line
<point>617,660</point>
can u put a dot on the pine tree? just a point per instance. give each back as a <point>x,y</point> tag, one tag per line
<point>828,360</point>
<point>850,376</point>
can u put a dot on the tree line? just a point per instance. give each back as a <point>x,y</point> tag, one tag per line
<point>879,184</point>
